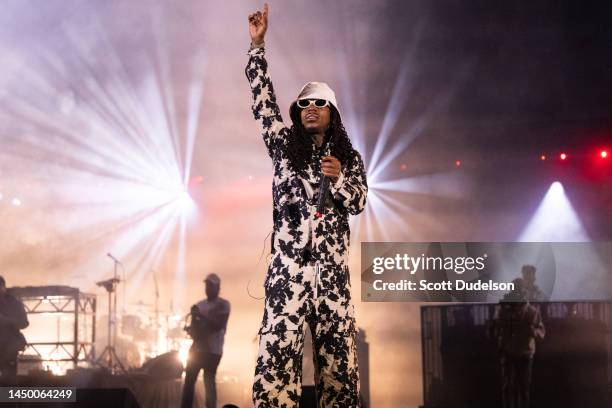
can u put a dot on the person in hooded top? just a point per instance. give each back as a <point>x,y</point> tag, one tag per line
<point>308,283</point>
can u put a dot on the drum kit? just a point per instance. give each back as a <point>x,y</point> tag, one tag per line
<point>157,332</point>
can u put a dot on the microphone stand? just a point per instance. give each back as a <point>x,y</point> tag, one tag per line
<point>115,278</point>
<point>113,363</point>
<point>156,314</point>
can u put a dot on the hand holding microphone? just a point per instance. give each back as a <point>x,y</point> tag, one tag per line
<point>330,168</point>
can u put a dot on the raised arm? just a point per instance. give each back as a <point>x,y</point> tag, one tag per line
<point>351,188</point>
<point>265,107</point>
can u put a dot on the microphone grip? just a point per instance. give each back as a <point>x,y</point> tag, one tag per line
<point>323,192</point>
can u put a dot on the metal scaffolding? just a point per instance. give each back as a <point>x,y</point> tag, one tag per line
<point>63,302</point>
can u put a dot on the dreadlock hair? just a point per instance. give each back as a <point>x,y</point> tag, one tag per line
<point>299,146</point>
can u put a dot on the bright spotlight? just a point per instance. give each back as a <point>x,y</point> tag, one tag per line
<point>603,154</point>
<point>543,157</point>
<point>184,201</point>
<point>556,188</point>
<point>123,186</point>
<point>555,220</point>
<point>563,156</point>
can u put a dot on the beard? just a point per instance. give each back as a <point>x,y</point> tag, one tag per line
<point>312,130</point>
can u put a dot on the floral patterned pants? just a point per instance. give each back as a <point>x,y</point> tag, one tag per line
<point>300,297</point>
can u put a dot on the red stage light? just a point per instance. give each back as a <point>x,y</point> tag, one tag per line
<point>563,156</point>
<point>403,167</point>
<point>603,154</point>
<point>458,163</point>
<point>542,157</point>
<point>195,181</point>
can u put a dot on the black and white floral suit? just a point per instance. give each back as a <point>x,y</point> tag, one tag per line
<point>308,278</point>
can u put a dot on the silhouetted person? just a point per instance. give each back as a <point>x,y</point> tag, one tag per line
<point>516,328</point>
<point>532,291</point>
<point>208,324</point>
<point>458,334</point>
<point>13,318</point>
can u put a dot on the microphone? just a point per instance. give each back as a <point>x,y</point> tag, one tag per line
<point>324,187</point>
<point>323,192</point>
<point>113,258</point>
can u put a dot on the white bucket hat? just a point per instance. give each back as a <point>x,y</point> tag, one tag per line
<point>314,90</point>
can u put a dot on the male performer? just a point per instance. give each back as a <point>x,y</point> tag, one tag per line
<point>13,318</point>
<point>208,323</point>
<point>308,278</point>
<point>516,328</point>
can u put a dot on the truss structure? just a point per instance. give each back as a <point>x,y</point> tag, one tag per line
<point>62,302</point>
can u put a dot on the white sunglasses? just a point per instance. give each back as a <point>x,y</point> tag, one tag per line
<point>305,103</point>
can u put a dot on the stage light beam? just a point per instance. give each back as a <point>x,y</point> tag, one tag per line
<point>121,155</point>
<point>185,202</point>
<point>555,220</point>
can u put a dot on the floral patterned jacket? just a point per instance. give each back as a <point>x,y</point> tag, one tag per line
<point>297,233</point>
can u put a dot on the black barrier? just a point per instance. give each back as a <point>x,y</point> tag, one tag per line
<point>572,364</point>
